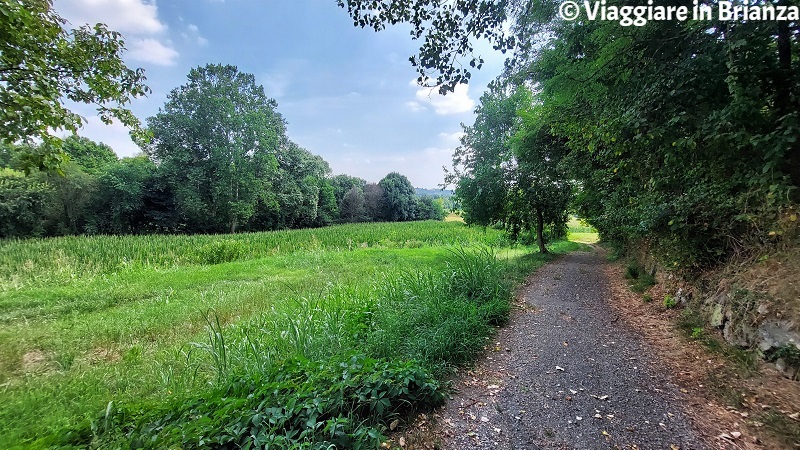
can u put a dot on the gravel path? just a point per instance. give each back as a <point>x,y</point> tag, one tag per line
<point>566,374</point>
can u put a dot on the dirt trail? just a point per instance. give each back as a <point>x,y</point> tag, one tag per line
<point>566,374</point>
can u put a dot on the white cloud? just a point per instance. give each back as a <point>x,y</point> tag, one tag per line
<point>415,107</point>
<point>126,16</point>
<point>453,139</point>
<point>137,20</point>
<point>192,34</point>
<point>456,102</point>
<point>152,51</point>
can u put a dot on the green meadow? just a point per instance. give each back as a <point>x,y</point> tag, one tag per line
<point>304,338</point>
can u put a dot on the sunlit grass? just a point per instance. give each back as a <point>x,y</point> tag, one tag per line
<point>79,331</point>
<point>581,232</point>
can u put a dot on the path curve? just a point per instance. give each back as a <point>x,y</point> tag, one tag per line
<point>565,374</point>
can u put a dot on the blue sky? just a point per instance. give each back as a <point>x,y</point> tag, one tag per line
<point>347,93</point>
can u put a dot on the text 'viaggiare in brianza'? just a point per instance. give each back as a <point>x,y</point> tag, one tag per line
<point>629,15</point>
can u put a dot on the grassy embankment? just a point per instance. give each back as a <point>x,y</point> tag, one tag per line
<point>158,340</point>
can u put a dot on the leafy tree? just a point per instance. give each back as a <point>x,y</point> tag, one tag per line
<point>483,164</point>
<point>89,155</point>
<point>43,66</point>
<point>428,208</point>
<point>374,202</point>
<point>70,208</point>
<point>343,183</point>
<point>399,198</point>
<point>300,179</point>
<point>23,203</point>
<point>509,168</point>
<point>353,206</point>
<point>121,205</point>
<point>216,140</point>
<point>327,208</point>
<point>543,190</point>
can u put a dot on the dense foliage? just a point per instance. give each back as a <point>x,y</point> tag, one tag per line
<point>44,66</point>
<point>219,161</point>
<point>679,136</point>
<point>509,169</point>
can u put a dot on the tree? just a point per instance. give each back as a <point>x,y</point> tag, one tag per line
<point>374,202</point>
<point>70,208</point>
<point>543,187</point>
<point>448,28</point>
<point>23,204</point>
<point>483,164</point>
<point>121,201</point>
<point>89,155</point>
<point>217,141</point>
<point>327,208</point>
<point>43,66</point>
<point>343,183</point>
<point>509,168</point>
<point>353,207</point>
<point>428,208</point>
<point>399,198</point>
<point>299,185</point>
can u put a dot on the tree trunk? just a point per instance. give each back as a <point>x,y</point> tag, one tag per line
<point>540,230</point>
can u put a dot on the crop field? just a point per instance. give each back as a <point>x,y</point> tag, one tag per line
<point>130,341</point>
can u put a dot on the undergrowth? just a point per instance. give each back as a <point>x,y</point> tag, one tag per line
<point>640,279</point>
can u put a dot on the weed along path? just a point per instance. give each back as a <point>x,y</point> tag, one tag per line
<point>565,374</point>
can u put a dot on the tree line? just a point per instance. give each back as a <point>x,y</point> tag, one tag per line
<point>217,160</point>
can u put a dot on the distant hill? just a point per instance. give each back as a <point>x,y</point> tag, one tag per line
<point>433,192</point>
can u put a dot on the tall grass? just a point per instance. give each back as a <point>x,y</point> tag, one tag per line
<point>63,259</point>
<point>366,356</point>
<point>185,339</point>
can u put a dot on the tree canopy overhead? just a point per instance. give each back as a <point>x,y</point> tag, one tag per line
<point>447,28</point>
<point>681,136</point>
<point>44,65</point>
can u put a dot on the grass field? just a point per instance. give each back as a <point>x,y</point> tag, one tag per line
<point>102,337</point>
<point>579,231</point>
